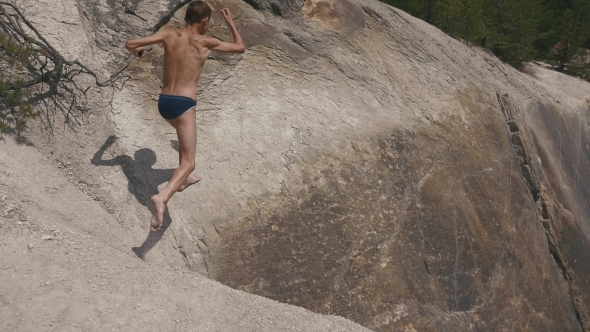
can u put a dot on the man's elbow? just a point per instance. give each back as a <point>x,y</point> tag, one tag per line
<point>241,49</point>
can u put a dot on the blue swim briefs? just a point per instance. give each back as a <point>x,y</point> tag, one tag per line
<point>171,107</point>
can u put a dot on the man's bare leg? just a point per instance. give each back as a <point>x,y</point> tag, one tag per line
<point>191,179</point>
<point>186,131</point>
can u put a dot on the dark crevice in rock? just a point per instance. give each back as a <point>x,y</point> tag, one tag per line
<point>513,126</point>
<point>518,146</point>
<point>207,268</point>
<point>282,8</point>
<point>166,18</point>
<point>253,4</point>
<point>207,253</point>
<point>544,211</point>
<point>534,187</point>
<point>276,10</point>
<point>580,316</point>
<point>216,230</point>
<point>427,267</point>
<point>553,249</point>
<point>373,14</point>
<point>131,12</point>
<point>298,41</point>
<point>184,257</point>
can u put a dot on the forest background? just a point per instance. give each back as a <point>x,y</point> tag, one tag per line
<point>517,31</point>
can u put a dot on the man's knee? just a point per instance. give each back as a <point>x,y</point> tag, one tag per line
<point>190,165</point>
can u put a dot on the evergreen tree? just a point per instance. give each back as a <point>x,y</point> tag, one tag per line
<point>423,9</point>
<point>512,29</point>
<point>14,108</point>
<point>557,31</point>
<point>565,31</point>
<point>463,18</point>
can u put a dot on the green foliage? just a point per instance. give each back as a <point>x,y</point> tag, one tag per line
<point>464,18</point>
<point>424,9</point>
<point>19,54</point>
<point>565,29</point>
<point>511,28</point>
<point>515,30</point>
<point>15,110</point>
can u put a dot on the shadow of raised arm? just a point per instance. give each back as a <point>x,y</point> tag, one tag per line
<point>97,158</point>
<point>142,181</point>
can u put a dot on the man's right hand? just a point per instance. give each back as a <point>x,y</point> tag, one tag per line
<point>237,46</point>
<point>138,52</point>
<point>227,16</point>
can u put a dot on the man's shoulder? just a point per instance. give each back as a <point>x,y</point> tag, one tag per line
<point>206,38</point>
<point>169,31</point>
<point>210,41</point>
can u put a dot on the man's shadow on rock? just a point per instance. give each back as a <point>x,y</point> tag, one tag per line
<point>143,182</point>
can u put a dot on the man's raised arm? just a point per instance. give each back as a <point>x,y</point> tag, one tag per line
<point>137,46</point>
<point>238,45</point>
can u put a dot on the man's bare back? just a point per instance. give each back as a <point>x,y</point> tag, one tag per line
<point>185,53</point>
<point>184,58</point>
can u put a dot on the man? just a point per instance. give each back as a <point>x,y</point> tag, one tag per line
<point>185,52</point>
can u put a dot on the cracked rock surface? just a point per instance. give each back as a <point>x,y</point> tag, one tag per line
<point>356,162</point>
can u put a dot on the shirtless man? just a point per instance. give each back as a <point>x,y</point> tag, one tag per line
<point>185,52</point>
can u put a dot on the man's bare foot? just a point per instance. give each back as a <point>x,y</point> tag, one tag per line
<point>159,208</point>
<point>190,180</point>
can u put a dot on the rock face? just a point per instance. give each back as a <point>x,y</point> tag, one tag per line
<point>59,274</point>
<point>356,162</point>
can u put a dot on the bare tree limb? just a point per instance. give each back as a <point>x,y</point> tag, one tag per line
<point>50,83</point>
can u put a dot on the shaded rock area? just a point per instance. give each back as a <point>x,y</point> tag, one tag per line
<point>356,162</point>
<point>562,141</point>
<point>438,237</point>
<point>280,7</point>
